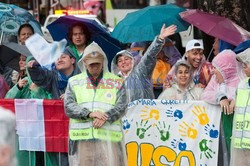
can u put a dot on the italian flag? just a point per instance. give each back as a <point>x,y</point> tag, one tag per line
<point>40,124</point>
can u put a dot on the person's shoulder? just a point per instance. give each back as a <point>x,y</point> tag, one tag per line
<point>76,77</point>
<point>111,75</point>
<point>243,83</point>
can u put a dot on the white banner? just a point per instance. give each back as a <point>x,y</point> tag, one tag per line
<point>171,132</point>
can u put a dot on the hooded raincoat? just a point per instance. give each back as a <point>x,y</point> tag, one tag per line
<point>55,82</point>
<point>114,68</point>
<point>240,150</point>
<point>192,92</point>
<point>225,62</point>
<point>175,93</point>
<point>138,84</point>
<point>200,75</point>
<point>94,150</point>
<point>29,91</point>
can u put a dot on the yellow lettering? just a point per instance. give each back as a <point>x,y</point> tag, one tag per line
<point>132,152</point>
<point>146,154</point>
<point>167,152</point>
<point>149,153</point>
<point>188,154</point>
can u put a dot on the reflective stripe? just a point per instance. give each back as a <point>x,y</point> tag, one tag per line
<point>81,125</point>
<point>238,134</point>
<point>100,99</point>
<point>78,82</point>
<point>248,109</point>
<point>240,110</point>
<point>104,106</point>
<point>246,134</point>
<point>90,124</point>
<point>112,127</point>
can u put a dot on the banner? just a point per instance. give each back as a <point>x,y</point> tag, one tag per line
<point>171,132</point>
<point>41,124</point>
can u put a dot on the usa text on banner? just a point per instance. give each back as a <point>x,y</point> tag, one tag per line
<point>172,132</point>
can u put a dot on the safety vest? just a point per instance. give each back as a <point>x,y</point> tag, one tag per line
<point>101,98</point>
<point>242,117</point>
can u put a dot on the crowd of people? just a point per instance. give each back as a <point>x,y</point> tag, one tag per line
<point>95,99</point>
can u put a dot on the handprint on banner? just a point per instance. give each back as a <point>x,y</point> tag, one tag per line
<point>188,131</point>
<point>177,114</point>
<point>150,114</point>
<point>201,114</point>
<point>126,125</point>
<point>211,131</point>
<point>205,149</point>
<point>180,144</point>
<point>141,130</point>
<point>165,134</point>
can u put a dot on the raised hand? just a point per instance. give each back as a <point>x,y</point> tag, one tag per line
<point>165,32</point>
<point>22,83</point>
<point>32,63</point>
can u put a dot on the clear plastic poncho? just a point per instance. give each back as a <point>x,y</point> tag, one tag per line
<point>94,152</point>
<point>240,154</point>
<point>225,62</point>
<point>138,84</point>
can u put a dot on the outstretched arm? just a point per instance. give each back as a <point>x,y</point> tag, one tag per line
<point>148,61</point>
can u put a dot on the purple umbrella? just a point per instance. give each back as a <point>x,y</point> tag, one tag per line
<point>216,26</point>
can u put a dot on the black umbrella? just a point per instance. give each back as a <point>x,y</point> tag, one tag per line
<point>10,53</point>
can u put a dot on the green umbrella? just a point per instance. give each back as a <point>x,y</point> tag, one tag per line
<point>145,24</point>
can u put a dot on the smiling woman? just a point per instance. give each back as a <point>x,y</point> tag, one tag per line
<point>183,87</point>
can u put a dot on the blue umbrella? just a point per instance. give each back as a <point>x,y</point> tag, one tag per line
<point>242,46</point>
<point>59,30</point>
<point>11,17</point>
<point>145,24</point>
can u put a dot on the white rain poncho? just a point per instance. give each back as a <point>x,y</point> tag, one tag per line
<point>239,153</point>
<point>192,92</point>
<point>93,151</point>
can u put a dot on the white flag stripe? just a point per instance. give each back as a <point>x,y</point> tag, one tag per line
<point>30,124</point>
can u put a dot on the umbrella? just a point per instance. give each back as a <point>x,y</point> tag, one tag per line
<point>59,30</point>
<point>145,24</point>
<point>11,17</point>
<point>10,53</point>
<point>242,46</point>
<point>21,49</point>
<point>216,26</point>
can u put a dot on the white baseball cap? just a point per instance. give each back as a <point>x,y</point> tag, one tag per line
<point>194,44</point>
